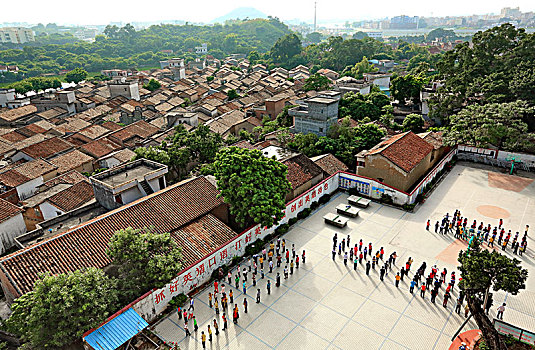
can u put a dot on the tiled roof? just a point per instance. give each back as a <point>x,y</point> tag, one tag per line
<point>47,148</point>
<point>85,245</point>
<point>201,237</point>
<point>301,169</point>
<point>329,163</point>
<point>14,136</point>
<point>35,168</point>
<point>70,161</point>
<point>8,210</point>
<point>73,197</point>
<point>405,150</point>
<point>17,113</point>
<point>140,128</point>
<point>433,138</point>
<point>70,177</point>
<point>12,178</point>
<point>94,131</point>
<point>52,113</point>
<point>100,148</point>
<point>111,126</point>
<point>244,144</point>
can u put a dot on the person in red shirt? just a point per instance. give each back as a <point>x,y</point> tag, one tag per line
<point>422,292</point>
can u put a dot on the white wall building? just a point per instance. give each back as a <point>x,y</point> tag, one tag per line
<point>16,35</point>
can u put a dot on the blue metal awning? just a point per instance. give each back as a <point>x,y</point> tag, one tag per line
<point>117,331</point>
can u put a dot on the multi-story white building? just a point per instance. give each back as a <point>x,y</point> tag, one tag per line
<point>16,35</point>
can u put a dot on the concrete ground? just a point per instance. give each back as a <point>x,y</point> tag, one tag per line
<point>326,305</point>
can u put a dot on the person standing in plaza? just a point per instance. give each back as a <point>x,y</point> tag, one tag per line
<point>446,298</point>
<point>413,284</point>
<point>245,305</point>
<point>398,277</point>
<point>334,253</point>
<point>458,306</point>
<point>437,224</point>
<point>244,288</point>
<point>422,290</point>
<point>203,340</point>
<point>231,296</point>
<point>402,272</point>
<point>210,300</point>
<point>235,314</point>
<point>270,266</point>
<point>268,286</point>
<point>209,334</point>
<point>278,281</point>
<point>195,325</point>
<point>258,296</point>
<point>191,307</point>
<point>500,310</point>
<point>216,307</point>
<point>187,330</point>
<point>237,281</point>
<point>345,258</point>
<point>224,318</point>
<point>355,263</point>
<point>303,256</point>
<point>367,268</point>
<point>297,262</point>
<point>291,267</point>
<point>382,273</point>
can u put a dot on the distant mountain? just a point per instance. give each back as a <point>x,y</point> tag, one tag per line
<point>240,13</point>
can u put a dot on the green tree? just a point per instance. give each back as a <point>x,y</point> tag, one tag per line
<point>253,57</point>
<point>232,95</point>
<point>359,106</point>
<point>62,307</point>
<point>482,270</point>
<point>314,37</point>
<point>76,75</point>
<point>202,143</point>
<point>369,135</point>
<point>413,122</point>
<point>254,186</point>
<point>500,124</point>
<point>285,48</point>
<point>442,34</point>
<point>357,71</point>
<point>284,119</point>
<point>317,82</point>
<point>407,88</point>
<point>145,259</point>
<point>360,35</point>
<point>152,85</point>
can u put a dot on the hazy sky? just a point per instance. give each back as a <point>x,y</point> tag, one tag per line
<point>105,11</point>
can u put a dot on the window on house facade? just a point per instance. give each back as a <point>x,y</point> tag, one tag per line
<point>118,199</point>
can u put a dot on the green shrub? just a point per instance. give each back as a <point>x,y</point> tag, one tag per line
<point>178,300</point>
<point>282,229</point>
<point>235,260</point>
<point>254,248</point>
<point>325,198</point>
<point>408,207</point>
<point>268,238</point>
<point>306,212</point>
<point>314,205</point>
<point>292,221</point>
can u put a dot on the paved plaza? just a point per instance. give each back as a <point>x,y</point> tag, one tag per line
<point>326,305</point>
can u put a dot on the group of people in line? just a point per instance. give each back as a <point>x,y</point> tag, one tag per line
<point>458,225</point>
<point>278,253</point>
<point>359,254</point>
<point>269,259</point>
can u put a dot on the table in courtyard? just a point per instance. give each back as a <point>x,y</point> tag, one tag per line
<point>347,210</point>
<point>359,201</point>
<point>335,219</point>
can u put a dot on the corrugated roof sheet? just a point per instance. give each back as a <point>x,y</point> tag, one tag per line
<point>117,331</point>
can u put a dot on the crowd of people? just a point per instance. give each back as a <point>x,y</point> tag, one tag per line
<point>434,280</point>
<point>245,278</point>
<point>279,256</point>
<point>458,226</point>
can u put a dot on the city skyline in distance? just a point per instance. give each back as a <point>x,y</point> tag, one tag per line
<point>103,12</point>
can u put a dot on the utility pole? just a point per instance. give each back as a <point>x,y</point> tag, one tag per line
<point>315,3</point>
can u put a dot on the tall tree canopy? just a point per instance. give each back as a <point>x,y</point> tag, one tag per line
<point>482,270</point>
<point>406,88</point>
<point>358,106</point>
<point>145,260</point>
<point>497,67</point>
<point>76,75</point>
<point>504,125</point>
<point>317,82</point>
<point>254,186</point>
<point>286,48</point>
<point>62,307</point>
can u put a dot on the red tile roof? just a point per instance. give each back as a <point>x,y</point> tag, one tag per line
<point>301,169</point>
<point>71,161</point>
<point>85,245</point>
<point>73,197</point>
<point>405,150</point>
<point>70,177</point>
<point>8,210</point>
<point>26,172</point>
<point>14,136</point>
<point>46,148</point>
<point>100,147</point>
<point>330,164</point>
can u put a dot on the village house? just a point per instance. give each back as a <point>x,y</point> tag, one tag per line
<point>11,224</point>
<point>399,161</point>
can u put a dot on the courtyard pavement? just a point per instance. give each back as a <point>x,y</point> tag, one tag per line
<point>326,305</point>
